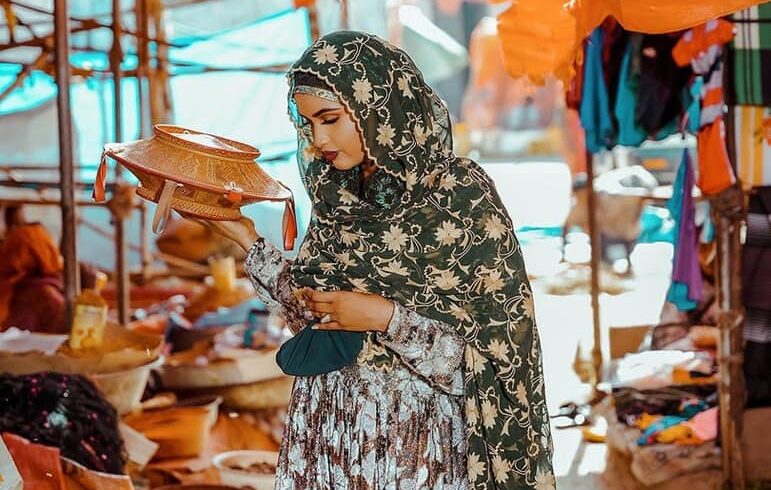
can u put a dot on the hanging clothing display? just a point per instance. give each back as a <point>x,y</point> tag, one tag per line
<point>753,149</point>
<point>685,291</point>
<point>750,57</point>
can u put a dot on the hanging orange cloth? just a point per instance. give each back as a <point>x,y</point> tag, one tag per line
<point>28,252</point>
<point>542,37</point>
<point>715,171</point>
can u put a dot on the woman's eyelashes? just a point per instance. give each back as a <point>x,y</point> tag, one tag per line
<point>331,120</point>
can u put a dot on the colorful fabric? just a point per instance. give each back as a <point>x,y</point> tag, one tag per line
<point>750,57</point>
<point>753,149</point>
<point>702,48</point>
<point>686,289</point>
<point>715,171</point>
<point>27,252</point>
<point>704,424</point>
<point>595,103</point>
<point>441,244</point>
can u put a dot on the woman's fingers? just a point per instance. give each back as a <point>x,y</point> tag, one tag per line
<point>332,325</point>
<point>320,307</point>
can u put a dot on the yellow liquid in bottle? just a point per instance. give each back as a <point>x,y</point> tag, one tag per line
<point>90,317</point>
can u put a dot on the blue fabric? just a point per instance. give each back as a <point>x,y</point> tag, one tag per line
<point>678,296</point>
<point>595,105</point>
<point>649,435</point>
<point>629,133</point>
<point>694,108</point>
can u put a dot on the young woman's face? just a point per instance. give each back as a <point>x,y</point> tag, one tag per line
<point>334,131</point>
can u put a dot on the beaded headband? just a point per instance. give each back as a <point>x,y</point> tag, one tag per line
<point>317,91</point>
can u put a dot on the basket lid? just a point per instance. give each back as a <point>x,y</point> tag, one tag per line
<point>201,160</point>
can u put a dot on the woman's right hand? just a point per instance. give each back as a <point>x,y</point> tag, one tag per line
<point>242,231</point>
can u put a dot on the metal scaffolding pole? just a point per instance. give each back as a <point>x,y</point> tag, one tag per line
<point>143,67</point>
<point>121,268</point>
<point>66,165</point>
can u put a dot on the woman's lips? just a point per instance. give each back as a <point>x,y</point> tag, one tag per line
<point>329,155</point>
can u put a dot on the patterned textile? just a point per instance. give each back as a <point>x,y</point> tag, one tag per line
<point>750,58</point>
<point>365,428</point>
<point>756,277</point>
<point>753,150</point>
<point>442,247</point>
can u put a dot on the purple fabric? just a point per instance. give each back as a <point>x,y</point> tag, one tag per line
<point>686,260</point>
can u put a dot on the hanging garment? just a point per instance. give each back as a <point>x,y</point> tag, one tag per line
<point>750,58</point>
<point>662,86</point>
<point>753,149</point>
<point>625,108</point>
<point>685,291</point>
<point>595,108</point>
<point>615,42</point>
<point>702,48</point>
<point>715,171</point>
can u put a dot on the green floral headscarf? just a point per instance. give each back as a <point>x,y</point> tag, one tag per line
<point>440,243</point>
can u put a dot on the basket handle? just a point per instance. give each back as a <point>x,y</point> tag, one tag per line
<point>163,210</point>
<point>289,224</point>
<point>101,177</point>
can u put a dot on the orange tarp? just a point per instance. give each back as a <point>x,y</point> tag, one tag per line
<point>542,37</point>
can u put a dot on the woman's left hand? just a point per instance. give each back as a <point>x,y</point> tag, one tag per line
<point>346,310</point>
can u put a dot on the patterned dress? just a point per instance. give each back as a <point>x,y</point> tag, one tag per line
<point>399,427</point>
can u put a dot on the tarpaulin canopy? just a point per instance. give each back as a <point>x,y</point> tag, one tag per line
<point>542,37</point>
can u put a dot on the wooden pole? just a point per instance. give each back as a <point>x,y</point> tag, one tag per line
<point>158,80</point>
<point>121,268</point>
<point>594,240</point>
<point>728,283</point>
<point>66,170</point>
<point>344,15</point>
<point>313,21</point>
<point>730,322</point>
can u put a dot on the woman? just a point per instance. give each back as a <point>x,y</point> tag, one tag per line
<point>410,246</point>
<point>31,295</point>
